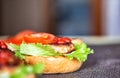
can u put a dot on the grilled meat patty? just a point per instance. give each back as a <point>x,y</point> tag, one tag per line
<point>66,48</point>
<point>63,48</point>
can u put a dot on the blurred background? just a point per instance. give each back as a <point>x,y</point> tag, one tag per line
<point>61,17</point>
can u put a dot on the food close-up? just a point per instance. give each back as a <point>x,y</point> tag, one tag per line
<point>59,38</point>
<point>57,54</point>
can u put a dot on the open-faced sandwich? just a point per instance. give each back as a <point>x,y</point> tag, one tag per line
<point>13,67</point>
<point>59,54</point>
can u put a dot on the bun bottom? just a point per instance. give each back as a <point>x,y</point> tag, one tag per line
<point>54,65</point>
<point>7,71</point>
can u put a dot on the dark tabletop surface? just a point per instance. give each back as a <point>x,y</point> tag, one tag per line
<point>104,63</point>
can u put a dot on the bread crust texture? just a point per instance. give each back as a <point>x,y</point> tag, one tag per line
<point>57,64</point>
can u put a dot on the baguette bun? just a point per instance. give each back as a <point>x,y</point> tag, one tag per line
<point>53,65</point>
<point>11,70</point>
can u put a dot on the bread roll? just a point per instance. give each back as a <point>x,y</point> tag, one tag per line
<point>58,64</point>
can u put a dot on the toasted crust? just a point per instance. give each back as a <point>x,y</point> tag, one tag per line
<point>57,64</point>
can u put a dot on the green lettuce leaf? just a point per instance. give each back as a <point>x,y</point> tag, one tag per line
<point>16,50</point>
<point>37,49</point>
<point>81,53</point>
<point>23,71</point>
<point>34,49</point>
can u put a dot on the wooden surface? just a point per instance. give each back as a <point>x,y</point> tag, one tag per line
<point>36,15</point>
<point>97,17</point>
<point>0,17</point>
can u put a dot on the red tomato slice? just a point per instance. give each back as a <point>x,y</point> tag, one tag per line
<point>44,38</point>
<point>18,38</point>
<point>13,40</point>
<point>3,45</point>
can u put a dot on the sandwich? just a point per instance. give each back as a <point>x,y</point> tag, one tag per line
<point>13,67</point>
<point>59,54</point>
